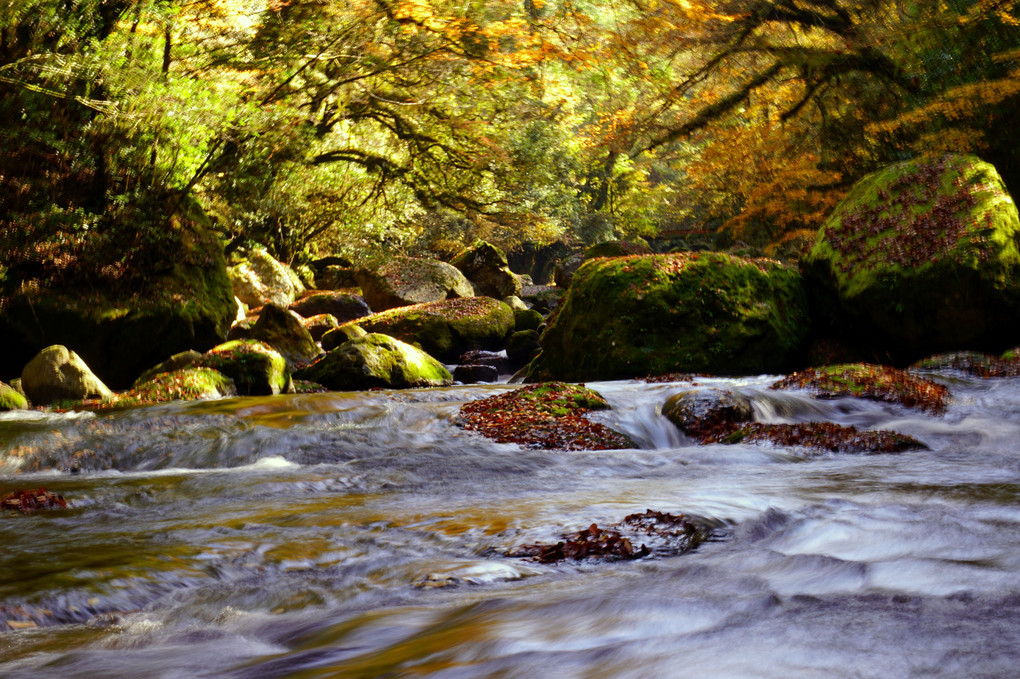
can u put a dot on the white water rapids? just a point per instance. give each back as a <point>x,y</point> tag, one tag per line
<point>363,535</point>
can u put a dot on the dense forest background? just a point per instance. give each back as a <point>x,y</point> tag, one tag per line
<point>360,127</point>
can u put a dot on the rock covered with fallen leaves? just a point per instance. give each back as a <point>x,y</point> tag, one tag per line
<point>28,501</point>
<point>921,257</point>
<point>824,436</point>
<point>875,382</point>
<point>548,415</point>
<point>668,535</point>
<point>974,363</point>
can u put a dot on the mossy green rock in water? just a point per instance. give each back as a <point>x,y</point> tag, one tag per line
<point>58,374</point>
<point>376,360</point>
<point>685,312</point>
<point>11,398</point>
<point>255,367</point>
<point>922,258</point>
<point>182,303</point>
<point>447,328</point>
<point>283,330</point>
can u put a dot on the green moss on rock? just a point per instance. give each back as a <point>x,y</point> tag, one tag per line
<point>11,398</point>
<point>376,360</point>
<point>685,312</point>
<point>921,257</point>
<point>254,366</point>
<point>447,328</point>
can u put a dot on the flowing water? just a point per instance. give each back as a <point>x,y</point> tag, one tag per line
<point>363,535</point>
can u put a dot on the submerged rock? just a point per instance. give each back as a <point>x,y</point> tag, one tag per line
<point>921,257</point>
<point>668,535</point>
<point>686,312</point>
<point>546,415</point>
<point>28,501</point>
<point>57,374</point>
<point>875,382</point>
<point>373,361</point>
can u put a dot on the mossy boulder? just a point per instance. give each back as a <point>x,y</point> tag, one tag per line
<point>521,347</point>
<point>376,360</point>
<point>922,258</point>
<point>120,329</point>
<point>255,367</point>
<point>188,384</point>
<point>404,281</point>
<point>58,374</point>
<point>447,328</point>
<point>486,267</point>
<point>283,331</point>
<point>344,306</point>
<point>259,279</point>
<point>11,398</point>
<point>685,312</point>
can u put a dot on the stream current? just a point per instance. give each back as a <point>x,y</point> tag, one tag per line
<point>363,535</point>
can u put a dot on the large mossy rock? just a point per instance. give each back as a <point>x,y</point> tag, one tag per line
<point>259,279</point>
<point>486,267</point>
<point>284,331</point>
<point>922,258</point>
<point>58,374</point>
<point>255,367</point>
<point>686,312</point>
<point>376,360</point>
<point>404,281</point>
<point>447,328</point>
<point>183,301</point>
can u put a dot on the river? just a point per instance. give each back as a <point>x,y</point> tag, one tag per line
<point>364,535</point>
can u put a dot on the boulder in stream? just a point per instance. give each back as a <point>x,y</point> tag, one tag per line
<point>284,331</point>
<point>255,367</point>
<point>686,312</point>
<point>259,279</point>
<point>486,267</point>
<point>375,360</point>
<point>11,398</point>
<point>58,374</point>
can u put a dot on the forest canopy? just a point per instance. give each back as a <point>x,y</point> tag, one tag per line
<point>416,126</point>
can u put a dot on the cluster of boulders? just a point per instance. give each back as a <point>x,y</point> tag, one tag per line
<point>919,259</point>
<point>407,323</point>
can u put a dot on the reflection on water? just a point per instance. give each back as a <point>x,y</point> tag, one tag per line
<point>362,535</point>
